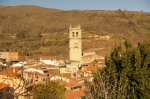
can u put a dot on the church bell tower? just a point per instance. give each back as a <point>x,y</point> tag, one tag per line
<point>75,45</point>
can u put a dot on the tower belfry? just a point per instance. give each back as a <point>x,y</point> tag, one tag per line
<point>75,45</point>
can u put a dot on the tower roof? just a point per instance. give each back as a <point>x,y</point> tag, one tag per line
<point>77,27</point>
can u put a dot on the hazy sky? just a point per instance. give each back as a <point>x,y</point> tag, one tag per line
<point>134,5</point>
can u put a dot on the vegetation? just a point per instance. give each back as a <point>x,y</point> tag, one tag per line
<point>32,29</point>
<point>126,76</point>
<point>21,35</point>
<point>50,90</point>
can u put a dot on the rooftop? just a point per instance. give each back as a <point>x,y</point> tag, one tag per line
<point>3,85</point>
<point>9,72</point>
<point>74,94</point>
<point>48,57</point>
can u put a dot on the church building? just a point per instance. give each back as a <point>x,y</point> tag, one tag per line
<point>76,56</point>
<point>75,47</point>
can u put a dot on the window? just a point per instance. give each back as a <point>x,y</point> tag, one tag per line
<point>76,34</point>
<point>72,34</point>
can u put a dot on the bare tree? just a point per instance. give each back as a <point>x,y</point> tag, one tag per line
<point>101,88</point>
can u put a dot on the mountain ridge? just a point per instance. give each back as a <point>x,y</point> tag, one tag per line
<point>33,20</point>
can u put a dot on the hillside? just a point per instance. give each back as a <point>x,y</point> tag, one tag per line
<point>33,29</point>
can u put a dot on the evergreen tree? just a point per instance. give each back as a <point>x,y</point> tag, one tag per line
<point>126,76</point>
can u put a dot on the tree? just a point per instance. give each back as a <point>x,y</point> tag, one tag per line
<point>126,76</point>
<point>50,90</point>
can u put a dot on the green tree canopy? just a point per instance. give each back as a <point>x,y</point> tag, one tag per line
<point>126,76</point>
<point>50,90</point>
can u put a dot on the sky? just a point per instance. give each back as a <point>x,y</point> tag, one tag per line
<point>131,5</point>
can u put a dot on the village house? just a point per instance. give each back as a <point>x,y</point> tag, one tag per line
<point>36,57</point>
<point>89,56</point>
<point>38,69</point>
<point>51,60</point>
<point>10,56</point>
<point>32,77</point>
<point>14,80</point>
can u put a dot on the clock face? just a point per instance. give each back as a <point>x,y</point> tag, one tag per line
<point>76,45</point>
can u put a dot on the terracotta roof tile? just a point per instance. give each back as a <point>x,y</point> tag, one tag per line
<point>9,72</point>
<point>22,58</point>
<point>3,85</point>
<point>48,57</point>
<point>74,94</point>
<point>73,82</point>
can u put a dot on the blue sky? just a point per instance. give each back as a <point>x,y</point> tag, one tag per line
<point>133,5</point>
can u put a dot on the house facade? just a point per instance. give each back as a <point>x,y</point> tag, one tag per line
<point>14,81</point>
<point>9,56</point>
<point>50,60</point>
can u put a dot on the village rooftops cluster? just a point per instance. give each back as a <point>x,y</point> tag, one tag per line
<point>23,72</point>
<point>37,69</point>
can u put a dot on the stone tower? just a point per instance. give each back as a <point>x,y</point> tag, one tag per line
<point>75,46</point>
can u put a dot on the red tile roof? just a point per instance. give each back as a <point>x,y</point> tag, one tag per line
<point>23,58</point>
<point>48,57</point>
<point>74,94</point>
<point>73,82</point>
<point>3,85</point>
<point>9,72</point>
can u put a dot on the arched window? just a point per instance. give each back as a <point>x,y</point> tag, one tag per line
<point>76,34</point>
<point>72,34</point>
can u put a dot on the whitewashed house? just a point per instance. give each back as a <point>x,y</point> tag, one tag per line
<point>50,60</point>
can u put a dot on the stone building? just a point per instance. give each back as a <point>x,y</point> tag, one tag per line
<point>76,56</point>
<point>75,47</point>
<point>75,44</point>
